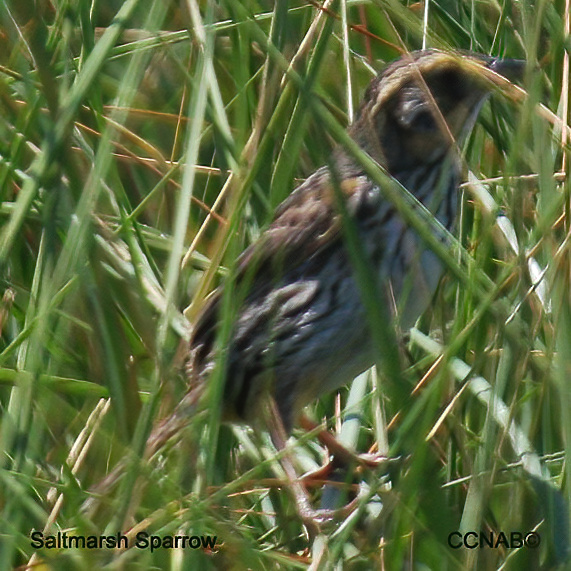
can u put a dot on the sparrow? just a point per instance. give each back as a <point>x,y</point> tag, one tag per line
<point>300,328</point>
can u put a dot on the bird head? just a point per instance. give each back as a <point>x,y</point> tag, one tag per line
<point>425,104</point>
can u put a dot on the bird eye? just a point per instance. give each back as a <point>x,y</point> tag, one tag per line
<point>413,111</point>
<point>417,117</point>
<point>422,121</point>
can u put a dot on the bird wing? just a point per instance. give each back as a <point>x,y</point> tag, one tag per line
<point>304,225</point>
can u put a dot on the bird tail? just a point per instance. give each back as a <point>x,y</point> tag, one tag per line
<point>164,430</point>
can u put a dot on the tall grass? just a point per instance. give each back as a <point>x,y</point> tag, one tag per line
<point>143,145</point>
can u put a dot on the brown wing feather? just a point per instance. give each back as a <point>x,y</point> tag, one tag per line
<point>304,225</point>
<point>307,222</point>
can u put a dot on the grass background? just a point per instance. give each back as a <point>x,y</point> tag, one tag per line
<point>143,145</point>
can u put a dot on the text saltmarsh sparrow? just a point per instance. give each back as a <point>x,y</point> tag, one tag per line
<point>300,328</point>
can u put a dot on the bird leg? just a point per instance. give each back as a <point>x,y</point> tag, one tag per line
<point>310,517</point>
<point>340,454</point>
